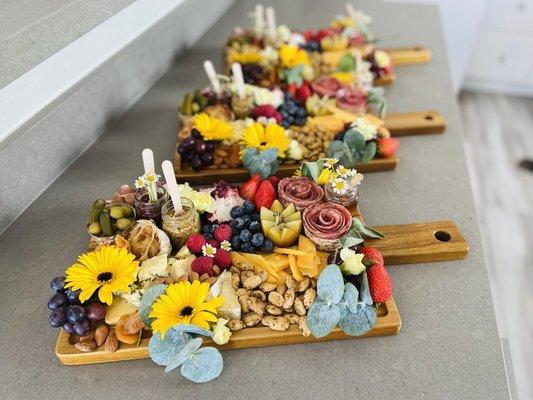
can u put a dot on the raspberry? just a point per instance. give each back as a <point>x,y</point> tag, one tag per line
<point>268,111</point>
<point>222,232</point>
<point>223,259</point>
<point>202,265</point>
<point>214,243</point>
<point>195,243</point>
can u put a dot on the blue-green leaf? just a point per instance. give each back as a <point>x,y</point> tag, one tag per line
<point>149,296</point>
<point>369,152</point>
<point>365,291</point>
<point>359,322</point>
<point>330,284</point>
<point>190,348</point>
<point>351,238</point>
<point>354,139</point>
<point>366,230</point>
<point>350,297</point>
<point>322,318</point>
<point>347,63</point>
<point>310,169</point>
<point>269,155</point>
<point>163,351</point>
<point>192,329</point>
<point>203,365</point>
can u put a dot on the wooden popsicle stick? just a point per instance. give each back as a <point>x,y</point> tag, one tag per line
<point>420,242</point>
<point>172,186</point>
<point>415,123</point>
<point>148,161</point>
<point>409,55</point>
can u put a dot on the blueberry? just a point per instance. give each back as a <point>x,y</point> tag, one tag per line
<point>208,228</point>
<point>248,247</point>
<point>236,212</point>
<point>254,226</point>
<point>301,112</point>
<point>249,207</point>
<point>256,218</point>
<point>235,243</point>
<point>239,223</point>
<point>268,246</point>
<point>245,235</point>
<point>258,239</point>
<point>247,219</point>
<point>208,236</point>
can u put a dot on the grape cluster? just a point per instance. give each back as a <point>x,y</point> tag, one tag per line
<point>246,230</point>
<point>374,67</point>
<point>292,112</point>
<point>197,151</point>
<point>67,311</point>
<point>252,73</point>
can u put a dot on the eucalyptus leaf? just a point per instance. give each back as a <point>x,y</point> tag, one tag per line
<point>192,329</point>
<point>269,155</point>
<point>365,291</point>
<point>377,101</point>
<point>202,366</point>
<point>148,297</point>
<point>330,284</point>
<point>310,169</point>
<point>350,297</point>
<point>190,348</point>
<point>369,152</point>
<point>354,139</point>
<point>359,322</point>
<point>366,230</point>
<point>351,238</point>
<point>322,318</point>
<point>163,351</point>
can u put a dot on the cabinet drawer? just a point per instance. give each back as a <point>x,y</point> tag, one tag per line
<point>510,14</point>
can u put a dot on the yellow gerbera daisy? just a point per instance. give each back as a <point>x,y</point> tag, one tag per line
<point>324,177</point>
<point>246,57</point>
<point>344,77</point>
<point>184,303</point>
<point>291,56</point>
<point>212,128</point>
<point>108,270</point>
<point>262,138</point>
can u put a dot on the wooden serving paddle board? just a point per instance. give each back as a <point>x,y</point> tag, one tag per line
<point>403,244</point>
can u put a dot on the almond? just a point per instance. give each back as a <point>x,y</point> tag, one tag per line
<point>100,335</point>
<point>86,345</point>
<point>111,343</point>
<point>89,336</point>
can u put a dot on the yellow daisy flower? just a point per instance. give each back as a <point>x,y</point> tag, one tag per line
<point>184,303</point>
<point>344,77</point>
<point>324,177</point>
<point>291,56</point>
<point>262,138</point>
<point>108,270</point>
<point>245,57</point>
<point>212,128</point>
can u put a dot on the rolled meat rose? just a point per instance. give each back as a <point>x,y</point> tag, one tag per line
<point>326,86</point>
<point>301,191</point>
<point>352,100</point>
<point>325,224</point>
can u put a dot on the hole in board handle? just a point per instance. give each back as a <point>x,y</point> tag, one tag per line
<point>428,117</point>
<point>442,236</point>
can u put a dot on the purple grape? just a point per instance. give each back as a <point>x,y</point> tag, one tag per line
<point>196,163</point>
<point>189,155</point>
<point>58,283</point>
<point>210,146</point>
<point>188,142</point>
<point>207,159</point>
<point>57,301</point>
<point>75,314</point>
<point>200,147</point>
<point>69,327</point>
<point>196,134</point>
<point>181,149</point>
<point>95,311</point>
<point>83,327</point>
<point>57,318</point>
<point>73,296</point>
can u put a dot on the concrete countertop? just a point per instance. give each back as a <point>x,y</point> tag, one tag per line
<point>448,347</point>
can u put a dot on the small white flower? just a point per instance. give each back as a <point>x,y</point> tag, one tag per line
<point>330,162</point>
<point>221,333</point>
<point>225,245</point>
<point>152,178</point>
<point>140,182</point>
<point>208,250</point>
<point>366,129</point>
<point>340,186</point>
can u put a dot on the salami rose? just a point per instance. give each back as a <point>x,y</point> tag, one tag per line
<point>325,224</point>
<point>326,86</point>
<point>301,191</point>
<point>353,100</point>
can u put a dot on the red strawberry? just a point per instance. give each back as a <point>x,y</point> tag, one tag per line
<point>265,196</point>
<point>387,146</point>
<point>371,257</point>
<point>249,188</point>
<point>379,283</point>
<point>291,89</point>
<point>304,92</point>
<point>274,180</point>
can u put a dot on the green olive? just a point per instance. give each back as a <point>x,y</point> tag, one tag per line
<point>116,212</point>
<point>123,223</point>
<point>94,228</point>
<point>128,212</point>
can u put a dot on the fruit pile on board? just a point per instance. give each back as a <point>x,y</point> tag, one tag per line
<point>269,252</point>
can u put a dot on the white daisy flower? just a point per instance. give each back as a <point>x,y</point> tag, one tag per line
<point>330,162</point>
<point>140,182</point>
<point>152,178</point>
<point>208,250</point>
<point>225,245</point>
<point>340,186</point>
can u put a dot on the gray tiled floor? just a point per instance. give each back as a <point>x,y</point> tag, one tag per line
<point>499,133</point>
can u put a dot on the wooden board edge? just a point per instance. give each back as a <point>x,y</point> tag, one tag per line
<point>389,324</point>
<point>422,122</point>
<point>412,55</point>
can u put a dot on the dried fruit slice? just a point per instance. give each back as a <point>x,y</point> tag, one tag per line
<point>121,335</point>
